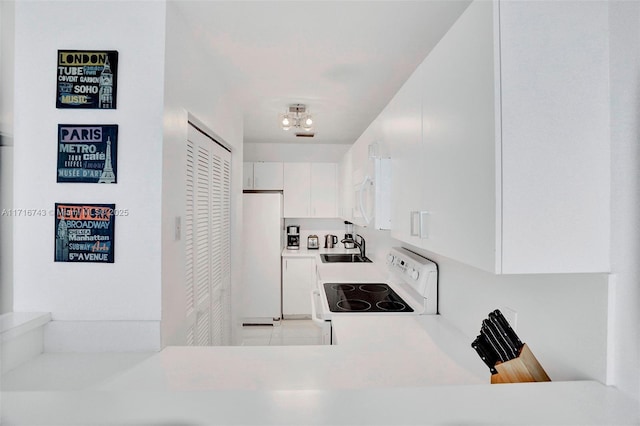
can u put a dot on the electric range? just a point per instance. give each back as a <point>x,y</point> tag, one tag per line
<point>357,297</point>
<point>410,288</point>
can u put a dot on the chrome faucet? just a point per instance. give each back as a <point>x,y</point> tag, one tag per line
<point>362,245</point>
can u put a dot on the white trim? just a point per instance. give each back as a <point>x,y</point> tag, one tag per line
<point>198,124</point>
<point>610,372</point>
<point>15,324</point>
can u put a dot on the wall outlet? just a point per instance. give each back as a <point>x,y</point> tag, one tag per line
<point>511,315</point>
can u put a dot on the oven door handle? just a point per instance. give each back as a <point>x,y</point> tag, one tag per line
<point>314,315</point>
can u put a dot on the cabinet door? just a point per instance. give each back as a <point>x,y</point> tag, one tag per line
<point>345,191</point>
<point>324,190</point>
<point>247,175</point>
<point>555,136</point>
<point>297,189</point>
<point>268,176</point>
<point>459,142</point>
<point>297,283</point>
<point>401,129</point>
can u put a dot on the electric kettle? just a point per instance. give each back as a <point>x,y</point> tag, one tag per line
<point>330,241</point>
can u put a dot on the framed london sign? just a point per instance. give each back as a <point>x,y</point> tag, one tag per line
<point>88,153</point>
<point>84,232</point>
<point>87,79</point>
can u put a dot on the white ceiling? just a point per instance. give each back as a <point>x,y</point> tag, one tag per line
<point>343,59</point>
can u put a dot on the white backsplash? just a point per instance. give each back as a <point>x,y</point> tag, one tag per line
<point>319,227</point>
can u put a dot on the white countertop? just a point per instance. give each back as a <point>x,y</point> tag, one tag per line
<point>407,351</point>
<point>341,272</point>
<point>385,370</point>
<point>411,370</point>
<point>305,252</point>
<point>562,403</point>
<point>426,344</point>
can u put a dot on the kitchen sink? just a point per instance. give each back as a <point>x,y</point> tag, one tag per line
<point>344,258</point>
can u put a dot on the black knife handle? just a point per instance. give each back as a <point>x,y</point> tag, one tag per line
<point>508,351</point>
<point>507,328</point>
<point>510,347</point>
<point>492,356</point>
<point>493,341</point>
<point>485,352</point>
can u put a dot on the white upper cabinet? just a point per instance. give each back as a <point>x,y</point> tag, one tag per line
<point>297,189</point>
<point>511,172</point>
<point>345,188</point>
<point>311,190</point>
<point>460,162</point>
<point>555,136</point>
<point>324,190</point>
<point>263,176</point>
<point>401,129</point>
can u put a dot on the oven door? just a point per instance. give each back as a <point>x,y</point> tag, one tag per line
<point>316,309</point>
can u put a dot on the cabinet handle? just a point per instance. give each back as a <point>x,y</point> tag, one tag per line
<point>413,222</point>
<point>286,265</point>
<point>423,226</point>
<point>418,225</point>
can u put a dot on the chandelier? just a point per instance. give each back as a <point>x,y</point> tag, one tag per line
<point>297,117</point>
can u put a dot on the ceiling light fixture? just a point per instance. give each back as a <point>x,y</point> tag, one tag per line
<point>297,117</point>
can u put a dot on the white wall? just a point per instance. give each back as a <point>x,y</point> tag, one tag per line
<point>319,227</point>
<point>305,151</point>
<point>563,318</point>
<point>88,300</point>
<point>624,21</point>
<point>6,153</point>
<point>196,83</point>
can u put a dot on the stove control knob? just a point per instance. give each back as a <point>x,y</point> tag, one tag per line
<point>414,274</point>
<point>391,258</point>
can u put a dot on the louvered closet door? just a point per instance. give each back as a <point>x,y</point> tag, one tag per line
<point>207,245</point>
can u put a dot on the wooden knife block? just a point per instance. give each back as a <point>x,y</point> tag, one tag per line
<point>524,368</point>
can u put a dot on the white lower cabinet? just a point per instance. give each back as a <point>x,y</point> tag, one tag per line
<point>298,274</point>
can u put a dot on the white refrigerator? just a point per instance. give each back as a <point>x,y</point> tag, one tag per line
<point>263,237</point>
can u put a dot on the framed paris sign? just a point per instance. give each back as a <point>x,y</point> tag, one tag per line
<point>87,79</point>
<point>88,153</point>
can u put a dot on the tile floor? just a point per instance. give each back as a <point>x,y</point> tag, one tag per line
<point>287,333</point>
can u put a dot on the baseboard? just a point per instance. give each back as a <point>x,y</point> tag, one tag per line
<point>261,321</point>
<point>296,317</point>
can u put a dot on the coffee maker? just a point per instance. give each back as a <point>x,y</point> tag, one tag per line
<point>348,235</point>
<point>293,237</point>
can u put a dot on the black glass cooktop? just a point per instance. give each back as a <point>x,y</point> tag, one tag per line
<point>370,297</point>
